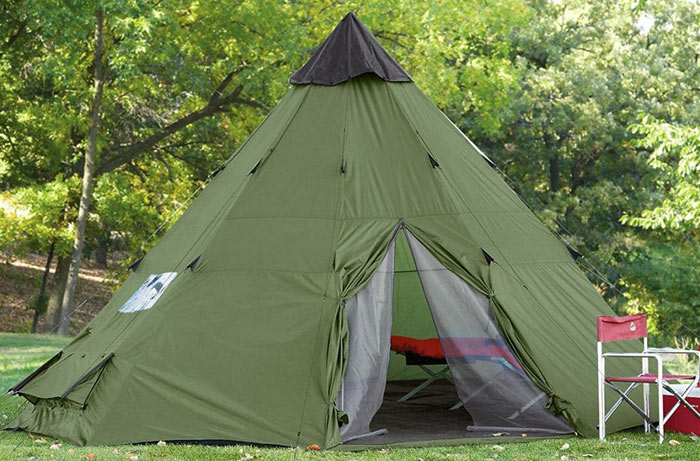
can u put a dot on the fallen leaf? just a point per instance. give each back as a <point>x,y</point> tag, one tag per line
<point>498,448</point>
<point>40,441</point>
<point>131,456</point>
<point>694,438</point>
<point>313,447</point>
<point>71,451</point>
<point>115,451</point>
<point>161,443</point>
<point>4,416</point>
<point>523,435</point>
<point>55,446</point>
<point>495,456</point>
<point>247,457</point>
<point>90,456</point>
<point>662,456</point>
<point>674,442</point>
<point>587,455</point>
<point>563,457</point>
<point>499,434</point>
<point>564,447</point>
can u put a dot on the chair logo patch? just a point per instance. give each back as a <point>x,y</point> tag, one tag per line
<point>633,327</point>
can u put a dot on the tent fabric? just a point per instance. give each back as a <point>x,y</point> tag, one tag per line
<point>252,343</point>
<point>350,50</point>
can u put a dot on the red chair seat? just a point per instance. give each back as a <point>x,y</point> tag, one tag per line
<point>647,378</point>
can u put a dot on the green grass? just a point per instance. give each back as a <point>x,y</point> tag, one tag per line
<point>20,354</point>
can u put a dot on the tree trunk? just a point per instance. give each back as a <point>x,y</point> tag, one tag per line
<point>554,179</point>
<point>88,172</point>
<point>53,311</point>
<point>102,248</point>
<point>40,303</point>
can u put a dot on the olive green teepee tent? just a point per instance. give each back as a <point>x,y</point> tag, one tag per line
<point>356,216</point>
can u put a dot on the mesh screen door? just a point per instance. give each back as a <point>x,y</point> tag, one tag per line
<point>490,383</point>
<point>369,331</point>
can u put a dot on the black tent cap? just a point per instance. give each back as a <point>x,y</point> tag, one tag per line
<point>350,50</point>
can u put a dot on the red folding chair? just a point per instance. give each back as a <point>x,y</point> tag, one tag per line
<point>635,327</point>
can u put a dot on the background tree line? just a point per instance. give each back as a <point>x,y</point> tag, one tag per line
<point>589,109</point>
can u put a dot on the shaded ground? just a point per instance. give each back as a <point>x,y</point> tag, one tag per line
<point>425,417</point>
<point>19,354</point>
<point>19,284</point>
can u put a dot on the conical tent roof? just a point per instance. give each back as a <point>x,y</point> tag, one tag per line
<point>350,50</point>
<point>245,336</point>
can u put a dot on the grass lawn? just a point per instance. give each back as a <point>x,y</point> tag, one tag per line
<point>20,354</point>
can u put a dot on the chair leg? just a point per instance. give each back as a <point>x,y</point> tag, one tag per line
<point>617,404</point>
<point>456,406</point>
<point>647,407</point>
<point>660,387</point>
<point>432,377</point>
<point>601,407</point>
<point>681,400</point>
<point>630,402</point>
<point>417,389</point>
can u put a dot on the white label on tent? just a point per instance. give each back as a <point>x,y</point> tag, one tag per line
<point>148,293</point>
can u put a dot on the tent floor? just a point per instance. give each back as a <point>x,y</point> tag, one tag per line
<point>424,417</point>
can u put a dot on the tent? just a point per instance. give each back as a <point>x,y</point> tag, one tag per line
<point>355,217</point>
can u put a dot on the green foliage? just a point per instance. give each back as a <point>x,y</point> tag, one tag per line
<point>663,280</point>
<point>674,160</point>
<point>36,216</point>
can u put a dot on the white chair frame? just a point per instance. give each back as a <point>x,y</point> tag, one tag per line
<point>645,355</point>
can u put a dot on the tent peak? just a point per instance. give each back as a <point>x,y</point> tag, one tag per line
<point>350,50</point>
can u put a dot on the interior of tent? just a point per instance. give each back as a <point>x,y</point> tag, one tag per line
<point>426,360</point>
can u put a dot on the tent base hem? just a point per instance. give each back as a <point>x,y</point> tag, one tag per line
<point>482,438</point>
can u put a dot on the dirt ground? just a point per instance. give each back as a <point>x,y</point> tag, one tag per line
<point>19,285</point>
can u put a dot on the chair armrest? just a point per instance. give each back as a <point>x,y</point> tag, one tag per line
<point>656,350</point>
<point>677,352</point>
<point>640,355</point>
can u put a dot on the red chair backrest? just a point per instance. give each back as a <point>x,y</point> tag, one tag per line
<point>619,328</point>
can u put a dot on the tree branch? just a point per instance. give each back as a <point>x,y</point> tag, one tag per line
<point>13,38</point>
<point>217,103</point>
